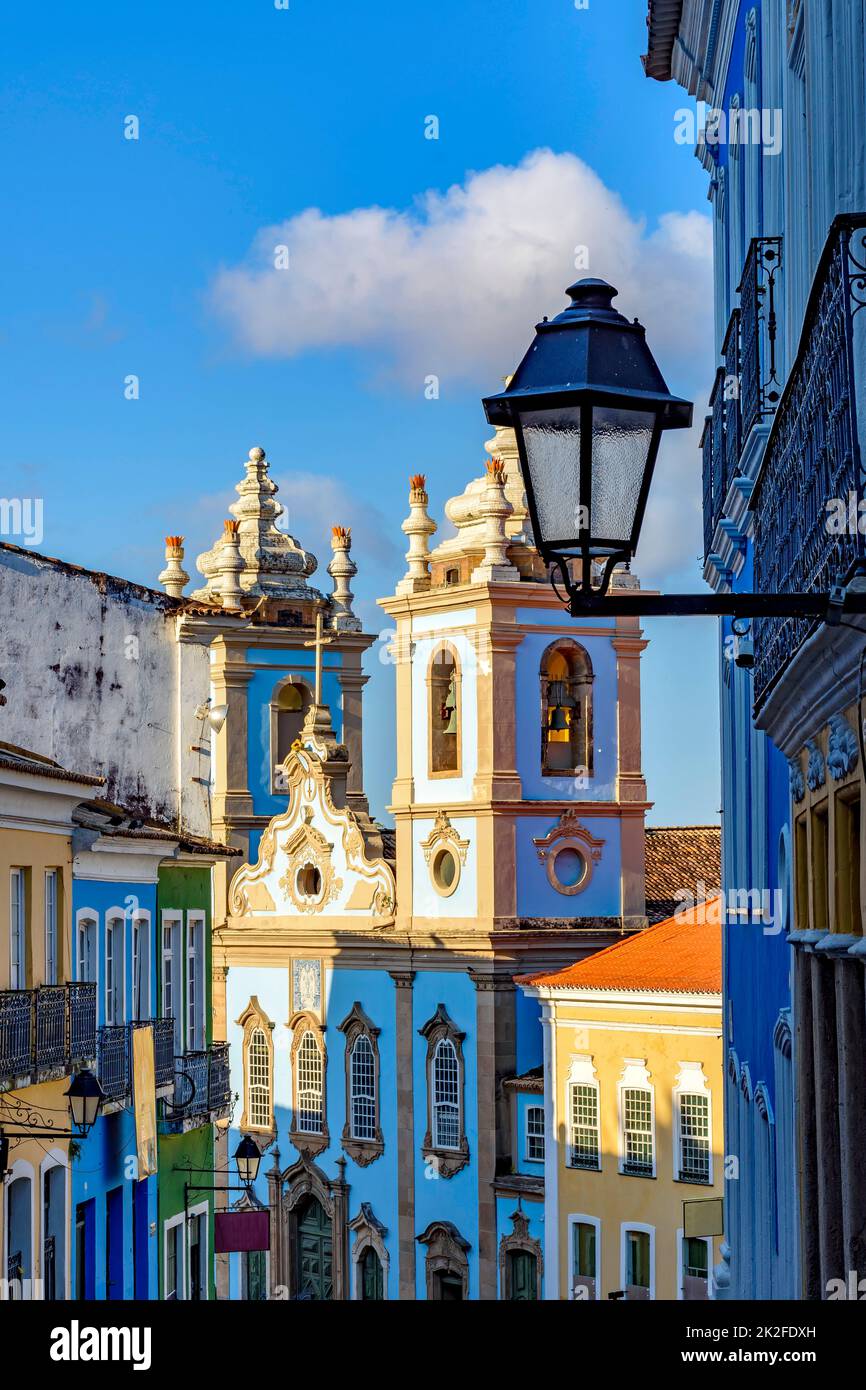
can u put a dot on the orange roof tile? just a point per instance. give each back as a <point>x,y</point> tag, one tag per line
<point>681,955</point>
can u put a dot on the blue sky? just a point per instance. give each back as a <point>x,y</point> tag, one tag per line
<point>117,254</point>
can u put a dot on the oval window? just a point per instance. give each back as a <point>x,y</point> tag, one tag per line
<point>569,867</point>
<point>309,881</point>
<point>445,871</point>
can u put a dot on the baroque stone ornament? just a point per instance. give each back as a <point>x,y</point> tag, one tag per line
<point>272,563</point>
<point>569,853</point>
<point>442,847</point>
<point>314,859</point>
<point>795,779</point>
<point>842,749</point>
<point>816,772</point>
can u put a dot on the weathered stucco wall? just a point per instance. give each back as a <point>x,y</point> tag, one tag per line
<point>96,679</point>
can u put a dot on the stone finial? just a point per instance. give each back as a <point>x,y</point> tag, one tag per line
<point>419,527</point>
<point>230,566</point>
<point>342,570</point>
<point>174,576</point>
<point>494,509</point>
<point>274,564</point>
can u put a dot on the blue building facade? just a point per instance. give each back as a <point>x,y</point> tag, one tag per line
<point>387,1066</point>
<point>779,86</point>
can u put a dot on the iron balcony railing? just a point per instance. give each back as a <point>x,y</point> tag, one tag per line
<point>812,456</point>
<point>114,1057</point>
<point>201,1084</point>
<point>759,386</point>
<point>745,388</point>
<point>49,1028</point>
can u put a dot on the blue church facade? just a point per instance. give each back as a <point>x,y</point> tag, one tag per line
<point>387,1065</point>
<point>780,88</point>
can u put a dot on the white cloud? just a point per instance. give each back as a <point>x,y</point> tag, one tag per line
<point>453,285</point>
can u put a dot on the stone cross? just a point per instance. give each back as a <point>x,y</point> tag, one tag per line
<point>319,642</point>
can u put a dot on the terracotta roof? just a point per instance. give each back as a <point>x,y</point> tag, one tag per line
<point>682,955</point>
<point>681,859</point>
<point>25,760</point>
<point>532,1080</point>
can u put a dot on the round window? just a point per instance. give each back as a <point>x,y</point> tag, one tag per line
<point>445,871</point>
<point>309,881</point>
<point>569,869</point>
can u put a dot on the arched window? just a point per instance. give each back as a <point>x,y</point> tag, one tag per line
<point>370,1282</point>
<point>258,1057</point>
<point>309,1129</point>
<point>446,1096</point>
<point>363,1083</point>
<point>566,709</point>
<point>259,1081</point>
<point>309,1086</point>
<point>443,683</point>
<point>445,1144</point>
<point>362,1137</point>
<point>289,706</point>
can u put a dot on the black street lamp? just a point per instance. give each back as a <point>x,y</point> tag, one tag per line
<point>248,1157</point>
<point>84,1097</point>
<point>588,406</point>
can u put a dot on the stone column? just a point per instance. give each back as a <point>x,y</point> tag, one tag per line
<point>406,1250</point>
<point>829,1175</point>
<point>851,1040</point>
<point>804,1123</point>
<point>275,1212</point>
<point>631,786</point>
<point>340,1189</point>
<point>485,1159</point>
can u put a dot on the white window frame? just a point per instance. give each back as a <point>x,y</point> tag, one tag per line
<point>200,1209</point>
<point>171,922</point>
<point>20,1169</point>
<point>318,1095</point>
<point>437,1105</point>
<point>691,1081</point>
<point>17,929</point>
<point>115,990</point>
<point>195,975</point>
<point>529,1158</point>
<point>51,972</point>
<point>167,1226</point>
<point>356,1094</point>
<point>638,1227</point>
<point>257,1086</point>
<point>635,1077</point>
<point>681,1272</point>
<point>87,921</point>
<point>582,1219</point>
<point>141,929</point>
<point>582,1073</point>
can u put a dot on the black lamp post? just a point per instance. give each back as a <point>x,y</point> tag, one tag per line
<point>248,1158</point>
<point>588,406</point>
<point>84,1097</point>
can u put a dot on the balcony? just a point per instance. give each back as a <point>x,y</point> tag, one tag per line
<point>114,1057</point>
<point>745,389</point>
<point>812,456</point>
<point>201,1088</point>
<point>45,1032</point>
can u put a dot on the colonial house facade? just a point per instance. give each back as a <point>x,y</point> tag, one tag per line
<point>634,1113</point>
<point>783,482</point>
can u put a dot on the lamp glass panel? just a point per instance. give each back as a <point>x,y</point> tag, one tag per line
<point>620,449</point>
<point>551,439</point>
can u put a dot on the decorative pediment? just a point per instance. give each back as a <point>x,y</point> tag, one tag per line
<point>313,858</point>
<point>569,852</point>
<point>444,833</point>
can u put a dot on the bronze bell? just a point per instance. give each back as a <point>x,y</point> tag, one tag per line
<point>449,709</point>
<point>558,720</point>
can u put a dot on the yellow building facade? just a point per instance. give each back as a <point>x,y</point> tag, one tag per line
<point>45,1020</point>
<point>634,1114</point>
